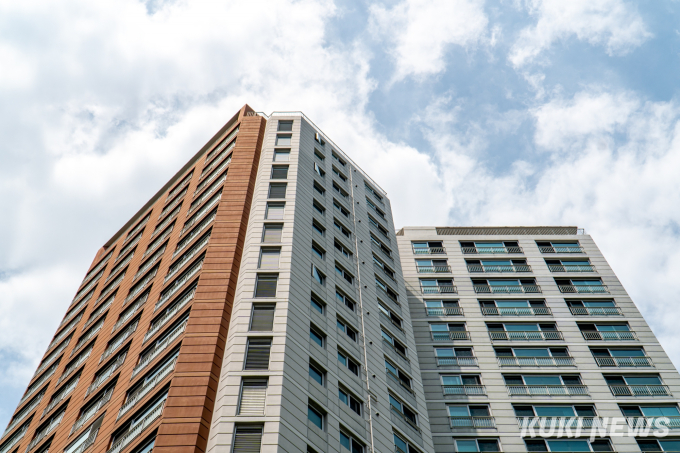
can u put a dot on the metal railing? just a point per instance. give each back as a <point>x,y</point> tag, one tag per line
<point>491,250</point>
<point>75,310</point>
<point>149,263</point>
<point>177,284</point>
<point>106,374</point>
<point>581,289</point>
<point>472,422</point>
<point>434,269</point>
<point>59,397</point>
<point>74,366</point>
<point>201,212</point>
<point>89,413</point>
<point>596,311</point>
<point>144,390</point>
<point>209,179</point>
<point>159,323</point>
<point>401,383</point>
<point>558,422</point>
<point>640,390</point>
<point>158,241</point>
<point>226,141</point>
<point>119,340</point>
<point>128,247</point>
<point>98,311</point>
<point>464,390</point>
<point>141,285</point>
<point>536,361</point>
<point>204,196</point>
<point>182,184</point>
<point>429,251</point>
<point>88,287</point>
<point>571,268</point>
<point>527,335</point>
<point>52,356</point>
<point>130,312</point>
<point>625,362</point>
<point>98,267</point>
<point>87,443</point>
<point>403,417</point>
<point>190,254</point>
<point>16,437</point>
<point>40,381</point>
<point>119,266</point>
<point>560,249</point>
<point>457,361</point>
<point>108,289</point>
<point>173,204</point>
<point>610,336</point>
<point>547,390</point>
<point>166,221</point>
<point>136,430</point>
<point>444,311</point>
<point>88,336</point>
<point>507,289</point>
<point>160,347</point>
<point>39,436</point>
<point>440,289</point>
<point>672,422</point>
<point>137,228</point>
<point>61,335</point>
<point>23,413</point>
<point>395,350</point>
<point>477,268</point>
<point>197,231</point>
<point>450,335</point>
<point>516,311</point>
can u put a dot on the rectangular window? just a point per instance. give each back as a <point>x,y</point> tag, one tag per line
<point>319,189</point>
<point>275,211</point>
<point>342,229</point>
<point>318,207</point>
<point>339,159</point>
<point>262,317</point>
<point>315,416</point>
<point>317,304</point>
<point>319,171</point>
<point>285,126</point>
<point>317,373</point>
<point>277,189</point>
<point>281,155</point>
<point>343,326</point>
<point>265,286</point>
<point>340,208</point>
<point>318,228</point>
<point>318,275</point>
<point>351,444</point>
<point>350,400</point>
<point>342,249</point>
<point>269,258</point>
<point>318,251</point>
<point>257,354</point>
<point>319,139</point>
<point>272,232</point>
<point>339,174</point>
<point>247,439</point>
<point>319,155</point>
<point>339,190</point>
<point>347,361</point>
<point>279,172</point>
<point>349,303</point>
<point>317,336</point>
<point>253,396</point>
<point>344,274</point>
<point>283,140</point>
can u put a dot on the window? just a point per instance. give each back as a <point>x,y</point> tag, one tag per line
<point>344,274</point>
<point>342,229</point>
<point>383,248</point>
<point>451,356</point>
<point>397,345</point>
<point>394,319</point>
<point>340,208</point>
<point>253,396</point>
<point>384,267</point>
<point>387,290</point>
<point>272,232</point>
<point>339,159</point>
<point>317,373</point>
<point>339,174</point>
<point>275,211</point>
<point>269,258</point>
<point>318,251</point>
<point>347,361</point>
<point>279,172</point>
<point>262,317</point>
<point>454,384</point>
<point>318,207</point>
<point>408,413</point>
<point>319,189</point>
<point>247,438</point>
<point>379,227</point>
<point>317,336</point>
<point>277,189</point>
<point>315,416</point>
<point>442,308</point>
<point>318,228</point>
<point>319,139</point>
<point>461,415</point>
<point>428,248</point>
<point>350,400</point>
<point>477,445</point>
<point>567,445</point>
<point>84,437</point>
<point>319,171</point>
<point>531,352</point>
<point>561,410</point>
<point>343,326</point>
<point>349,303</point>
<point>317,304</point>
<point>343,193</point>
<point>318,275</point>
<point>370,190</point>
<point>281,155</point>
<point>542,380</point>
<point>658,444</point>
<point>437,286</point>
<point>265,286</point>
<point>351,444</point>
<point>257,354</point>
<point>342,249</point>
<point>319,155</point>
<point>375,208</point>
<point>283,139</point>
<point>395,373</point>
<point>285,126</point>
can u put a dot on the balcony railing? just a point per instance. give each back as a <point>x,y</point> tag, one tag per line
<point>401,383</point>
<point>107,373</point>
<point>136,430</point>
<point>640,390</point>
<point>444,311</point>
<point>441,289</point>
<point>190,254</point>
<point>149,263</point>
<point>130,312</point>
<point>450,335</point>
<point>65,331</point>
<point>201,212</point>
<point>16,437</point>
<point>98,267</point>
<point>434,269</point>
<point>542,362</point>
<point>91,411</point>
<point>547,390</point>
<point>52,357</point>
<point>119,340</point>
<point>516,311</point>
<point>481,268</point>
<point>88,287</point>
<point>74,365</point>
<point>464,390</point>
<point>159,323</point>
<point>141,285</point>
<point>571,268</point>
<point>560,249</point>
<point>178,283</point>
<point>672,422</point>
<point>559,422</point>
<point>507,289</point>
<point>204,196</point>
<point>472,422</point>
<point>119,266</point>
<point>98,311</point>
<point>625,362</point>
<point>429,251</point>
<point>147,387</point>
<point>405,419</point>
<point>491,250</point>
<point>59,397</point>
<point>526,335</point>
<point>596,311</point>
<point>40,435</point>
<point>391,347</point>
<point>610,336</point>
<point>381,291</point>
<point>160,347</point>
<point>457,361</point>
<point>38,383</point>
<point>87,443</point>
<point>108,289</point>
<point>584,289</point>
<point>75,310</point>
<point>21,415</point>
<point>87,337</point>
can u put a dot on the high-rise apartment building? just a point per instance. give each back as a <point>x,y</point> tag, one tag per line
<point>258,302</point>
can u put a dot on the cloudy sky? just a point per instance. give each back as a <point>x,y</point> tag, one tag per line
<point>511,112</point>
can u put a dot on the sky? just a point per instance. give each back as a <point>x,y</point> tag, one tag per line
<point>511,112</point>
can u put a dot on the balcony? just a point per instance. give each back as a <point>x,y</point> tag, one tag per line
<point>136,430</point>
<point>391,347</point>
<point>560,249</point>
<point>571,268</point>
<point>14,439</point>
<point>547,390</point>
<point>118,341</point>
<point>472,422</point>
<point>160,347</point>
<point>401,419</point>
<point>509,268</point>
<point>584,289</point>
<point>442,289</point>
<point>491,250</point>
<point>533,335</point>
<point>163,320</point>
<point>444,311</point>
<point>506,289</point>
<point>21,415</point>
<point>596,311</point>
<point>434,269</point>
<point>541,362</point>
<point>429,251</point>
<point>558,422</point>
<point>464,390</point>
<point>457,361</point>
<point>625,362</point>
<point>640,390</point>
<point>59,397</point>
<point>672,422</point>
<point>610,336</point>
<point>107,373</point>
<point>40,435</point>
<point>402,384</point>
<point>90,412</point>
<point>147,387</point>
<point>516,311</point>
<point>450,335</point>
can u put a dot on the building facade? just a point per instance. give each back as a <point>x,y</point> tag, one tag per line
<point>261,301</point>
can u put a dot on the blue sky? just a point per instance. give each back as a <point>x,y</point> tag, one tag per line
<point>514,112</point>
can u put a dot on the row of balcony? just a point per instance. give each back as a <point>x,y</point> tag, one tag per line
<point>498,250</point>
<point>515,289</point>
<point>525,311</point>
<point>507,268</point>
<point>559,390</point>
<point>550,362</point>
<point>488,422</point>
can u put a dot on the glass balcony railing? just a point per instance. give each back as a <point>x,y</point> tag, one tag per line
<point>560,249</point>
<point>610,336</point>
<point>507,289</point>
<point>464,390</point>
<point>441,289</point>
<point>450,335</point>
<point>444,311</point>
<point>457,361</point>
<point>434,269</point>
<point>472,422</point>
<point>625,362</point>
<point>532,335</point>
<point>509,268</point>
<point>541,362</point>
<point>672,422</point>
<point>559,422</point>
<point>640,390</point>
<point>481,250</point>
<point>547,390</point>
<point>516,311</point>
<point>571,268</point>
<point>584,289</point>
<point>596,311</point>
<point>429,250</point>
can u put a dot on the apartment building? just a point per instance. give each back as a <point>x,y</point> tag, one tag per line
<point>521,325</point>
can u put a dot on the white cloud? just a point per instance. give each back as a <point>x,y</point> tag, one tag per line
<point>614,24</point>
<point>419,32</point>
